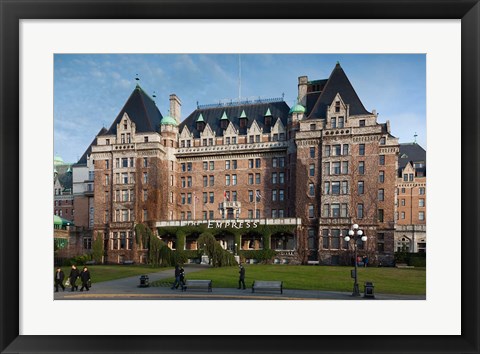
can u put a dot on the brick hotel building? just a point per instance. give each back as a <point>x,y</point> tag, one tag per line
<point>319,166</point>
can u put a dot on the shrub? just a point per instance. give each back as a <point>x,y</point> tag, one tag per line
<point>262,256</point>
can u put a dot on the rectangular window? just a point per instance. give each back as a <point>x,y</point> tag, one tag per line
<point>337,150</point>
<point>205,165</point>
<point>281,195</point>
<point>107,180</point>
<point>381,176</point>
<point>250,214</point>
<point>410,177</point>
<point>250,163</point>
<point>117,163</point>
<point>282,136</point>
<point>312,152</point>
<point>205,197</point>
<point>274,162</point>
<point>107,164</point>
<point>421,215</point>
<point>274,213</point>
<point>250,196</point>
<point>145,177</point>
<point>132,163</point>
<point>327,150</point>
<point>250,139</point>
<point>107,141</point>
<point>405,177</point>
<point>360,211</point>
<point>380,215</point>
<point>361,123</point>
<point>311,189</point>
<point>281,162</point>
<point>189,198</point>
<point>182,143</point>
<point>335,212</point>
<point>183,182</point>
<point>344,167</point>
<point>325,243</point>
<point>345,149</point>
<point>421,190</point>
<point>250,178</point>
<point>381,159</point>
<point>234,196</point>
<point>275,137</point>
<point>205,181</point>
<point>234,164</point>
<point>212,181</point>
<point>344,187</point>
<point>124,162</point>
<point>258,196</point>
<point>204,215</point>
<point>274,177</point>
<point>327,188</point>
<point>212,165</point>
<point>336,167</point>
<point>326,210</point>
<point>182,198</point>
<point>145,162</point>
<point>145,139</point>
<point>361,168</point>
<point>335,188</point>
<point>341,123</point>
<point>402,201</point>
<point>335,239</point>
<point>227,165</point>
<point>184,167</point>
<point>382,141</point>
<point>182,215</point>
<point>402,215</point>
<point>281,213</point>
<point>227,140</point>
<point>381,194</point>
<point>311,170</point>
<point>234,180</point>
<point>210,214</point>
<point>281,177</point>
<point>257,138</point>
<point>125,195</point>
<point>421,202</point>
<point>361,187</point>
<point>334,122</point>
<point>258,163</point>
<point>344,210</point>
<point>274,195</point>
<point>313,126</point>
<point>227,180</point>
<point>212,197</point>
<point>361,149</point>
<point>234,139</point>
<point>311,211</point>
<point>125,178</point>
<point>257,178</point>
<point>257,213</point>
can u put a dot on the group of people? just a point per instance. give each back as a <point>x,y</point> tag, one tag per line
<point>84,276</point>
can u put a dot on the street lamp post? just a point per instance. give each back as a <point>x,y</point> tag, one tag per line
<point>355,233</point>
<point>235,249</point>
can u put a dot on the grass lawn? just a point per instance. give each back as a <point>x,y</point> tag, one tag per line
<point>101,273</point>
<point>386,280</point>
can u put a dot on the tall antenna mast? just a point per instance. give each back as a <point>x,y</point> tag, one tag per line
<point>239,78</point>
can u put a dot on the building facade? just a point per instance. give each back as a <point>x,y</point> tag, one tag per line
<point>62,187</point>
<point>411,233</point>
<point>319,166</point>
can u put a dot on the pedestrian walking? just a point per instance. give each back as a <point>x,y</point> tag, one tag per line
<point>365,261</point>
<point>241,279</point>
<point>177,277</point>
<point>182,278</point>
<point>59,276</point>
<point>85,278</point>
<point>74,274</point>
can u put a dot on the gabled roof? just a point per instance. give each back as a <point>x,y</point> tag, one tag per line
<point>337,83</point>
<point>411,152</point>
<point>83,159</point>
<point>142,111</point>
<point>253,111</point>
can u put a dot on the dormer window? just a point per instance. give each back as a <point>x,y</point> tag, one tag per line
<point>224,121</point>
<point>243,119</point>
<point>361,123</point>
<point>337,106</point>
<point>200,126</point>
<point>334,122</point>
<point>125,125</point>
<point>268,121</point>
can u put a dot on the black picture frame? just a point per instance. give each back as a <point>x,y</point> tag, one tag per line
<point>12,11</point>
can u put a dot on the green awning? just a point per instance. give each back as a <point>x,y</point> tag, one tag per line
<point>57,220</point>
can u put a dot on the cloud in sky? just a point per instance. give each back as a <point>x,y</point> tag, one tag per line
<point>90,90</point>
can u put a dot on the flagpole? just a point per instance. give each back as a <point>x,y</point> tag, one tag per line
<point>255,210</point>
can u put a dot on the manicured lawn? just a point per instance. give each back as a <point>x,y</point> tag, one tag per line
<point>101,273</point>
<point>330,278</point>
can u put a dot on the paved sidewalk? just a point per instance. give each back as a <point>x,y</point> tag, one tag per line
<point>127,289</point>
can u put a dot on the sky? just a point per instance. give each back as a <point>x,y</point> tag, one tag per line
<point>91,89</point>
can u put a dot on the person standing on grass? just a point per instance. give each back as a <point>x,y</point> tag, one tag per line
<point>59,276</point>
<point>241,279</point>
<point>85,278</point>
<point>177,277</point>
<point>74,274</point>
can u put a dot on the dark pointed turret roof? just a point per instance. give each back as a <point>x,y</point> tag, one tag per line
<point>142,111</point>
<point>254,112</point>
<point>337,83</point>
<point>83,159</point>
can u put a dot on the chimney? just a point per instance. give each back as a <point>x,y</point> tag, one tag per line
<point>302,90</point>
<point>175,105</point>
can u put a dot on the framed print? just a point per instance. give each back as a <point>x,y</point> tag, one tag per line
<point>37,35</point>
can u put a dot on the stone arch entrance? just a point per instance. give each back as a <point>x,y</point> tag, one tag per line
<point>226,239</point>
<point>252,241</point>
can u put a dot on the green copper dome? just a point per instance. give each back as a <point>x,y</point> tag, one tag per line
<point>298,108</point>
<point>167,120</point>
<point>57,160</point>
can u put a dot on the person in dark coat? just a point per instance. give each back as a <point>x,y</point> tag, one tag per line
<point>241,279</point>
<point>177,277</point>
<point>74,274</point>
<point>182,277</point>
<point>85,278</point>
<point>59,276</point>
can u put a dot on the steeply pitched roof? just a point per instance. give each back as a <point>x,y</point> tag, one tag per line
<point>142,111</point>
<point>254,111</point>
<point>64,176</point>
<point>337,83</point>
<point>412,152</point>
<point>83,159</point>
